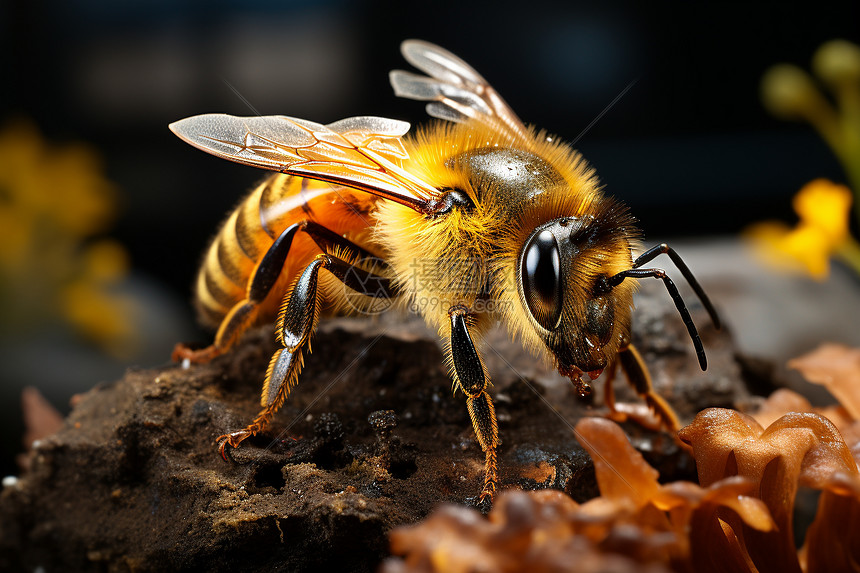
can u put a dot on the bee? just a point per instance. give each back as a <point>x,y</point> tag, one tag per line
<point>473,220</point>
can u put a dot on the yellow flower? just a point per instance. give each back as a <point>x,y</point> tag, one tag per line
<point>791,93</point>
<point>822,232</point>
<point>824,205</point>
<point>105,317</point>
<point>837,62</point>
<point>53,200</point>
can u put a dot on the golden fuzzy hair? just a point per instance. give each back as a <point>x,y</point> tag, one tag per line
<point>471,256</point>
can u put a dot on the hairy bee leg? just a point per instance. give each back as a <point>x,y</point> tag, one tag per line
<point>296,324</point>
<point>325,237</point>
<point>244,313</point>
<point>619,415</point>
<point>237,321</point>
<point>609,393</point>
<point>637,374</point>
<point>472,380</point>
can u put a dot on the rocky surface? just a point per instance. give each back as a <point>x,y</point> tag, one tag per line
<point>371,438</point>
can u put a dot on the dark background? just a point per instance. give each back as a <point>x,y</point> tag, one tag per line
<point>689,146</point>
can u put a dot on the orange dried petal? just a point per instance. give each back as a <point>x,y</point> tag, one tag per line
<point>832,543</point>
<point>798,448</point>
<point>713,434</point>
<point>778,404</point>
<point>40,416</point>
<point>451,539</point>
<point>827,453</point>
<point>622,473</point>
<point>836,367</point>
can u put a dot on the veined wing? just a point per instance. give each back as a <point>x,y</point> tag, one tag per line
<point>363,153</point>
<point>456,92</point>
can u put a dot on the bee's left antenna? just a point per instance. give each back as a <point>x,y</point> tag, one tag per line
<point>638,273</point>
<point>676,298</point>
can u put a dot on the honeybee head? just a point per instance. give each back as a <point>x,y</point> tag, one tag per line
<point>563,275</point>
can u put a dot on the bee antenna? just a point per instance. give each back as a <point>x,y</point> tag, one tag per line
<point>663,248</point>
<point>676,298</point>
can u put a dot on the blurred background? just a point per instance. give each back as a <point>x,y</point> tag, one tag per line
<point>104,213</point>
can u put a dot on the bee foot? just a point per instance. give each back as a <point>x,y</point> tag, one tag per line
<point>233,439</point>
<point>183,352</point>
<point>616,416</point>
<point>483,502</point>
<point>639,413</point>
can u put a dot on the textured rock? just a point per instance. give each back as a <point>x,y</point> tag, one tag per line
<point>371,438</point>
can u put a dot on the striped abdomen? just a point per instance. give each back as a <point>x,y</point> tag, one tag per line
<point>250,230</point>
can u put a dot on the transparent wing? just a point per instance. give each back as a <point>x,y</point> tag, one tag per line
<point>364,153</point>
<point>454,90</point>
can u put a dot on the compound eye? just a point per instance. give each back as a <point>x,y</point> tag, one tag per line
<point>541,276</point>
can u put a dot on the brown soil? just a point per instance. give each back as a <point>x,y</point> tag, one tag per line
<point>371,438</point>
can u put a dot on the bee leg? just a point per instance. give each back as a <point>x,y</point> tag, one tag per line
<point>472,380</point>
<point>244,313</point>
<point>637,374</point>
<point>266,274</point>
<point>609,393</point>
<point>624,412</point>
<point>296,324</point>
<point>237,321</point>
